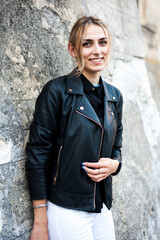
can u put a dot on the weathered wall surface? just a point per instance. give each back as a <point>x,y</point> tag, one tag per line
<point>150,22</point>
<point>33,50</point>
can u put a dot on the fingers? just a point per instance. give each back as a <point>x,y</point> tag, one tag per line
<point>93,164</point>
<point>103,162</point>
<point>92,171</point>
<point>96,178</point>
<point>97,174</point>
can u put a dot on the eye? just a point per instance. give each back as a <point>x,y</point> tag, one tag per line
<point>86,44</point>
<point>104,42</point>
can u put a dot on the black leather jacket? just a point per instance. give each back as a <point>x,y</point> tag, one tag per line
<point>66,132</point>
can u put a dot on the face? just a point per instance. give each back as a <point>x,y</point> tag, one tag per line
<point>94,49</point>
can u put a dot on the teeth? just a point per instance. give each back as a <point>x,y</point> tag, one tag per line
<point>96,60</point>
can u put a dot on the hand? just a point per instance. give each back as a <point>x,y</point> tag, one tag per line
<point>39,232</point>
<point>101,169</point>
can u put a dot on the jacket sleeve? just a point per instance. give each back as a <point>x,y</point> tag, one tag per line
<point>42,134</point>
<point>116,151</point>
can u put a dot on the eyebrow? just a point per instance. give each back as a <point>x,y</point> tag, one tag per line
<point>90,40</point>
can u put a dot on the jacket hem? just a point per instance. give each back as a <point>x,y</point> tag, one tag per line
<point>71,201</point>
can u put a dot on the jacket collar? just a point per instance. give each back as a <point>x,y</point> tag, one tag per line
<point>75,86</point>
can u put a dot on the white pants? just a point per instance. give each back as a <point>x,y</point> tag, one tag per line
<point>68,224</point>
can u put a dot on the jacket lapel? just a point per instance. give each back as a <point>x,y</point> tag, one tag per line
<point>75,86</point>
<point>109,98</point>
<point>86,110</point>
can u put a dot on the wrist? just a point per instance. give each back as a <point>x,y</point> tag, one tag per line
<point>118,166</point>
<point>40,206</point>
<point>40,220</point>
<point>40,215</point>
<point>39,223</point>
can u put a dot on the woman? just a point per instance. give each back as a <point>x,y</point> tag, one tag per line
<point>74,144</point>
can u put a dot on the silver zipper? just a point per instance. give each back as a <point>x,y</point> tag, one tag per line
<point>59,154</point>
<point>98,153</point>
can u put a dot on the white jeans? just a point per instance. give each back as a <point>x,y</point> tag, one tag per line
<point>68,224</point>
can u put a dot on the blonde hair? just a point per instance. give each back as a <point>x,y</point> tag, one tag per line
<point>76,37</point>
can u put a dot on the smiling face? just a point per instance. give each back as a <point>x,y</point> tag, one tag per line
<point>94,50</point>
<point>89,43</point>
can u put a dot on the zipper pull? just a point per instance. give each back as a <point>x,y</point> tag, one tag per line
<point>54,182</point>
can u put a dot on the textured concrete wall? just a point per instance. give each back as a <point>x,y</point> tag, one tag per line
<point>33,50</point>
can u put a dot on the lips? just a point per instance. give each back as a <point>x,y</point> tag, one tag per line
<point>96,60</point>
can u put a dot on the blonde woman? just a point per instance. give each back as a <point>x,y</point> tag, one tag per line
<point>75,144</point>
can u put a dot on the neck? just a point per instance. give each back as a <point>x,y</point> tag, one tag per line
<point>92,77</point>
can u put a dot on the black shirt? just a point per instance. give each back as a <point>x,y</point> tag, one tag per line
<point>95,96</point>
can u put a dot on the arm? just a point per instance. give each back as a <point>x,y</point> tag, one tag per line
<point>42,134</point>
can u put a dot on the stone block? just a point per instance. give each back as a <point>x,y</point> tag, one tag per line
<point>14,140</point>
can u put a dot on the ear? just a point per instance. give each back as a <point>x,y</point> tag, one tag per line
<point>72,50</point>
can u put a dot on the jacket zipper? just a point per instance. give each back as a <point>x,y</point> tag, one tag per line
<point>59,154</point>
<point>98,153</point>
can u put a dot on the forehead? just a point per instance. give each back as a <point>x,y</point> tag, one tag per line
<point>93,31</point>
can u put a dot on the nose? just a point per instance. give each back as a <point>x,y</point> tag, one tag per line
<point>96,49</point>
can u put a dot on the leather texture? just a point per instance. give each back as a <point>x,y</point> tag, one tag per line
<point>65,132</point>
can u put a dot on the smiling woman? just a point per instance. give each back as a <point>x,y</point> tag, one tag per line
<point>89,33</point>
<point>75,143</point>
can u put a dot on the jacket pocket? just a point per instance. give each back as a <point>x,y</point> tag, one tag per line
<point>58,159</point>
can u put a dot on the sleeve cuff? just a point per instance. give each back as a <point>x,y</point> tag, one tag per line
<point>119,167</point>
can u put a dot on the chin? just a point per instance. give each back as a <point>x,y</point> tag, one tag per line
<point>96,69</point>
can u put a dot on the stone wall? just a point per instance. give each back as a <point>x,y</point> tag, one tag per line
<point>33,50</point>
<point>150,22</point>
